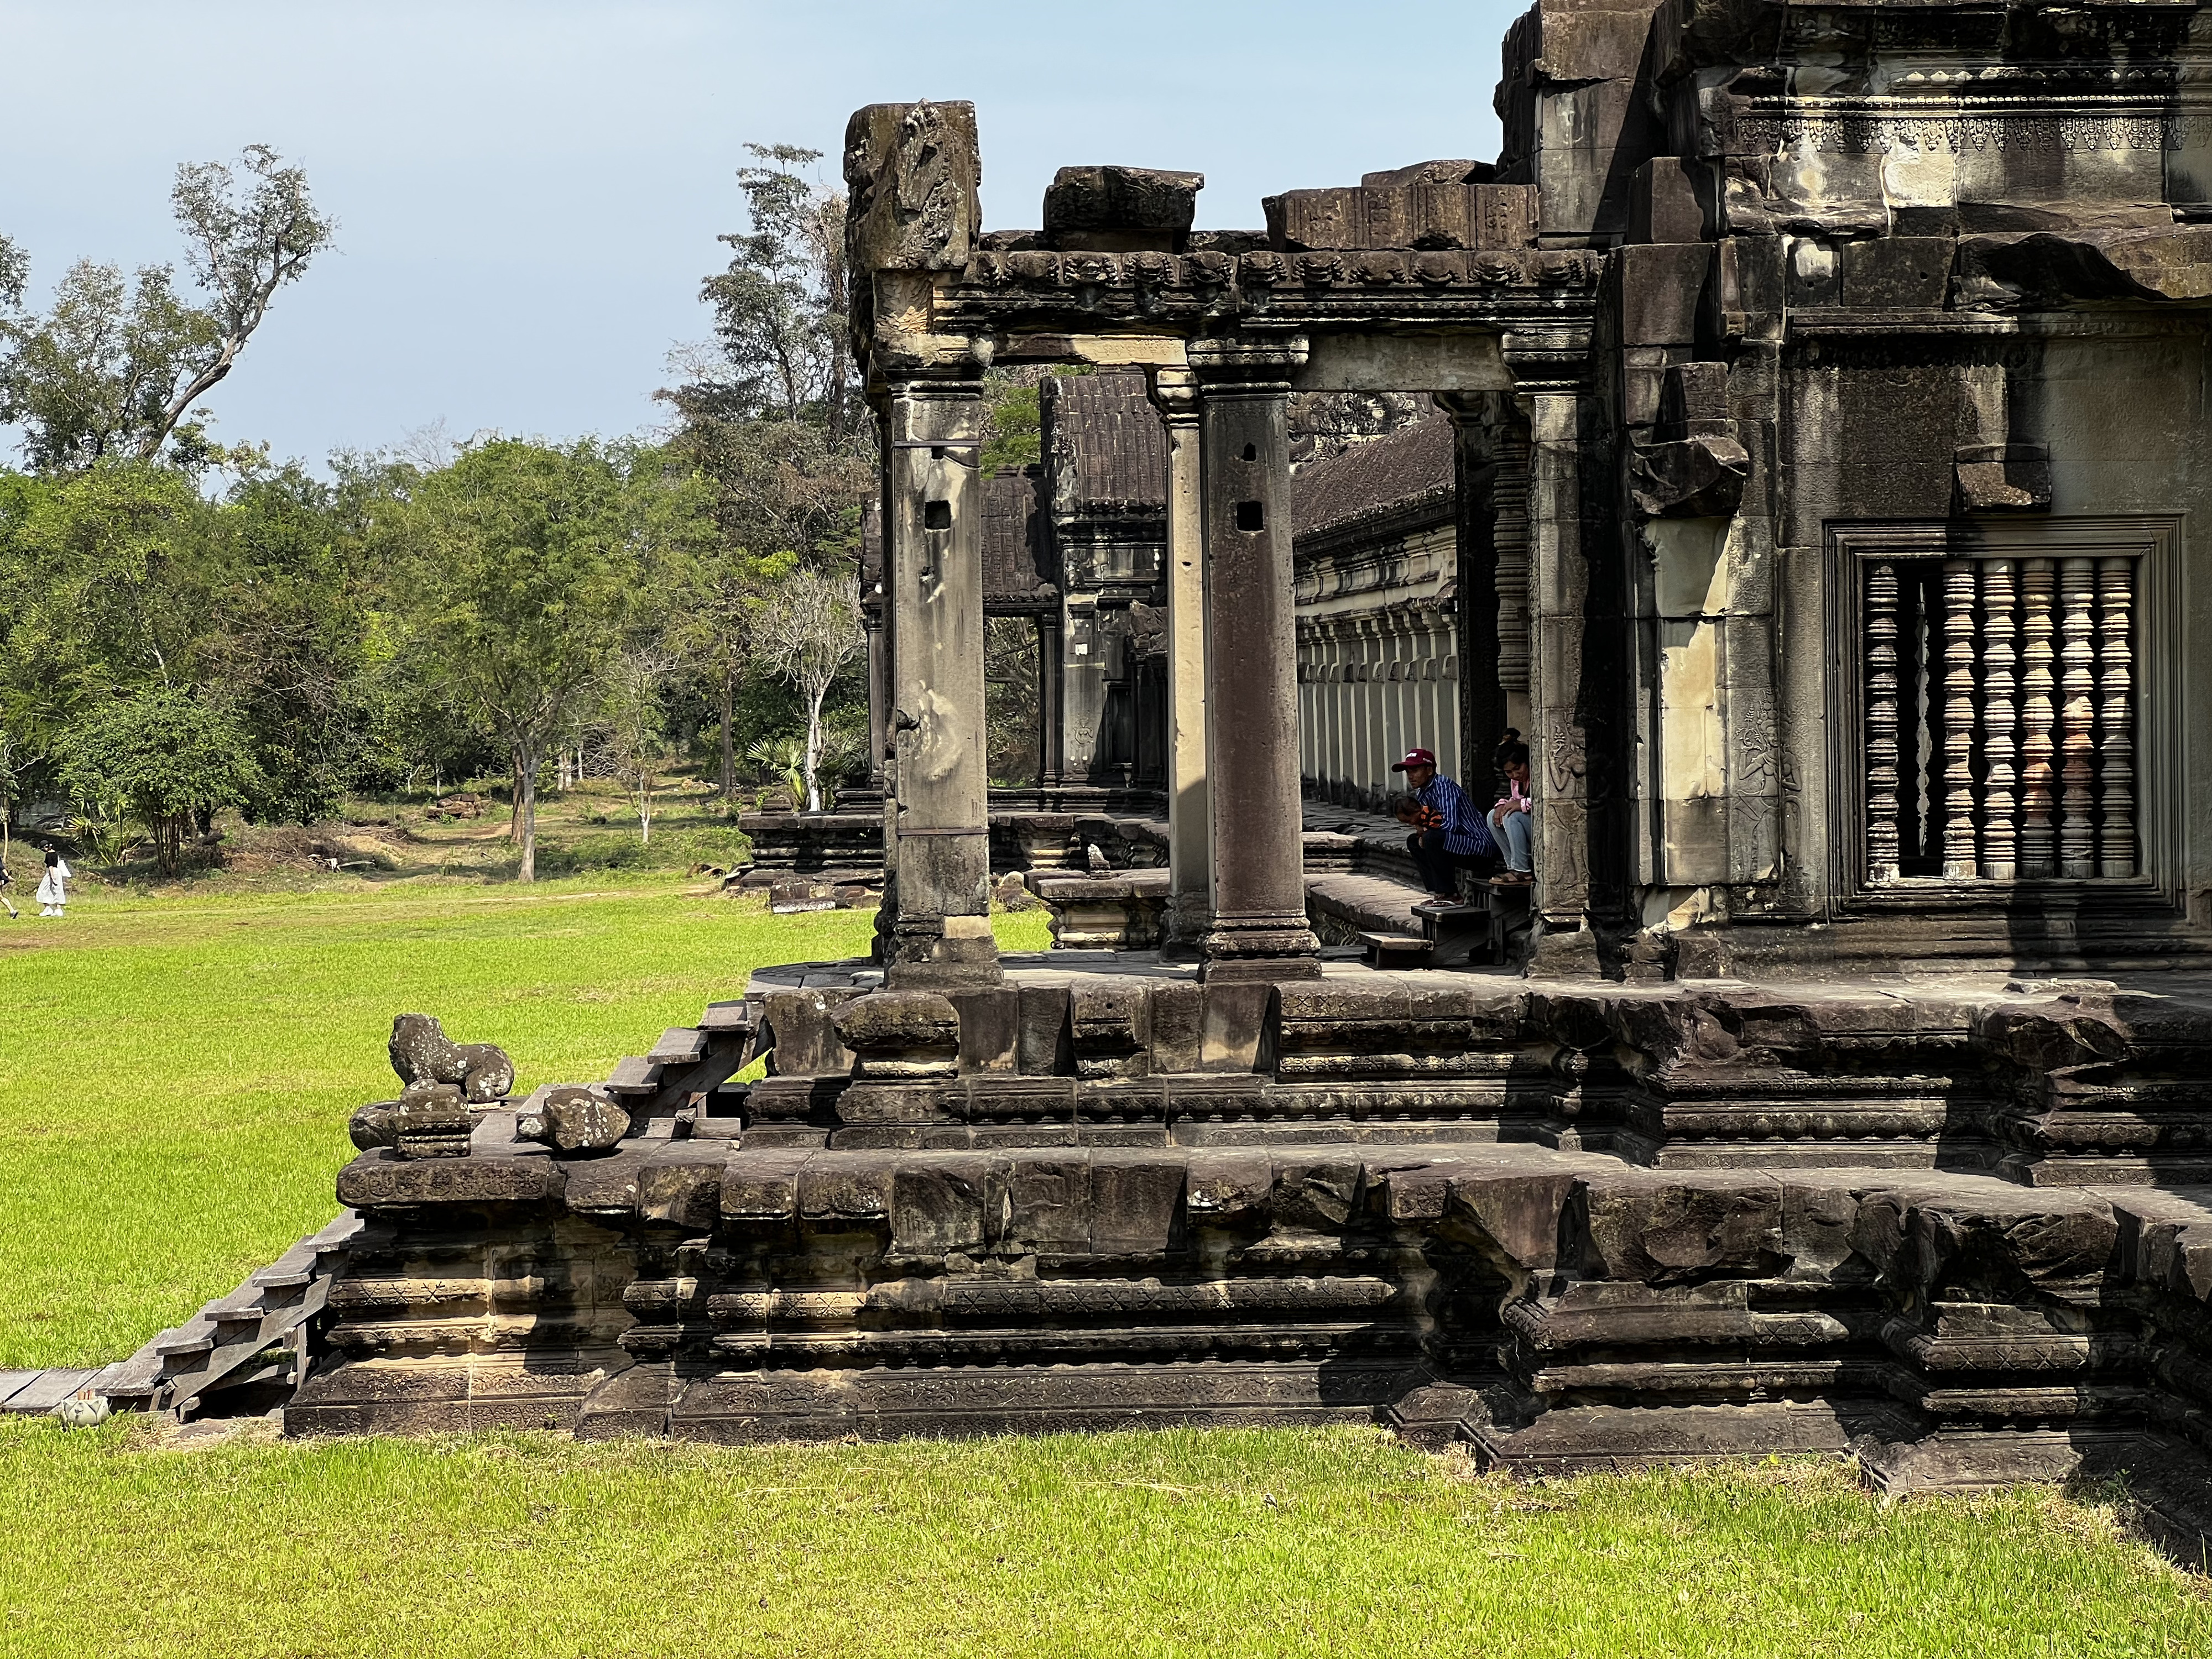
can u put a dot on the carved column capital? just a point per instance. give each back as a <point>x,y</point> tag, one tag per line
<point>1242,364</point>
<point>960,378</point>
<point>1175,394</point>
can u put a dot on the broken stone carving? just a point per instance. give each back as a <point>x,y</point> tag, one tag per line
<point>571,1118</point>
<point>443,1081</point>
<point>422,1052</point>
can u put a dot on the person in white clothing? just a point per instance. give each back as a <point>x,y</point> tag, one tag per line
<point>54,886</point>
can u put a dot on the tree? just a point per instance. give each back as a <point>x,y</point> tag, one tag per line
<point>780,321</point>
<point>780,492</point>
<point>636,681</point>
<point>719,592</point>
<point>90,605</point>
<point>114,368</point>
<point>168,758</point>
<point>283,635</point>
<point>517,565</point>
<point>768,417</point>
<point>808,632</point>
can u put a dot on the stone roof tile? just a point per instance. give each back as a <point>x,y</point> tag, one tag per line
<point>1411,468</point>
<point>1109,445</point>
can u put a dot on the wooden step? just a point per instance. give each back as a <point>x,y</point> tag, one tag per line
<point>679,1045</point>
<point>47,1390</point>
<point>633,1074</point>
<point>1396,950</point>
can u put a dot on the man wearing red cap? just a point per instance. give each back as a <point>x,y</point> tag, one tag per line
<point>1449,834</point>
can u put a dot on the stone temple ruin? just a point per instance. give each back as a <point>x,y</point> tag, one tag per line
<point>1824,396</point>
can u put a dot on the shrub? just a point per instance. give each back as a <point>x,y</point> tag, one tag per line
<point>170,761</point>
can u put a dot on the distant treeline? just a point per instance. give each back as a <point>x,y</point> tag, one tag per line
<point>185,628</point>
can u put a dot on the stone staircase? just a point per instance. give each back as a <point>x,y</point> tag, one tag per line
<point>685,1071</point>
<point>243,1353</point>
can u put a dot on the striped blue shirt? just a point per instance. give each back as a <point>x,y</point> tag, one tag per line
<point>1465,831</point>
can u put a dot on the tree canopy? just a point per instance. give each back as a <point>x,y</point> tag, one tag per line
<point>112,367</point>
<point>172,761</point>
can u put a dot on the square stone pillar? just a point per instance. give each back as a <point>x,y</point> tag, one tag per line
<point>1560,740</point>
<point>879,692</point>
<point>1190,851</point>
<point>1255,828</point>
<point>938,850</point>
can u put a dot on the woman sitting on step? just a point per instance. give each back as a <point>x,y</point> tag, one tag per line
<point>1510,821</point>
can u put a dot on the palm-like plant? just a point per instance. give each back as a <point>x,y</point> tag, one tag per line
<point>784,761</point>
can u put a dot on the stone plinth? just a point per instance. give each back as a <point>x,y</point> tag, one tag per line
<point>1568,1226</point>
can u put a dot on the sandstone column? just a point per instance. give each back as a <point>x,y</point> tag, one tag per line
<point>1259,930</point>
<point>1051,738</point>
<point>1190,852</point>
<point>1558,588</point>
<point>1481,712</point>
<point>940,935</point>
<point>880,690</point>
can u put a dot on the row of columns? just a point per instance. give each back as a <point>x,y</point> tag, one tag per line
<point>1235,814</point>
<point>1235,825</point>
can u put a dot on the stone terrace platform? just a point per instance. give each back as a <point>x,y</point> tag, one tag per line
<point>1962,1229</point>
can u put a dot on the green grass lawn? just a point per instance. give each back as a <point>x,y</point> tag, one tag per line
<point>176,1071</point>
<point>1240,1542</point>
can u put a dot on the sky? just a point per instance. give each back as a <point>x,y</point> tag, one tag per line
<point>528,194</point>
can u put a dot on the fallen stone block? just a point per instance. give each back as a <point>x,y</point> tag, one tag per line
<point>571,1119</point>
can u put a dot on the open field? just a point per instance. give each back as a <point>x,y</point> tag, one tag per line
<point>176,1065</point>
<point>1186,1543</point>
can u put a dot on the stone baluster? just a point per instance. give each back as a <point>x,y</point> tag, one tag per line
<point>1960,862</point>
<point>1881,721</point>
<point>1259,929</point>
<point>2116,747</point>
<point>2000,721</point>
<point>2078,715</point>
<point>2038,846</point>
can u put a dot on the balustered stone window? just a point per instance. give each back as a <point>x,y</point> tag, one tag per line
<point>2003,702</point>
